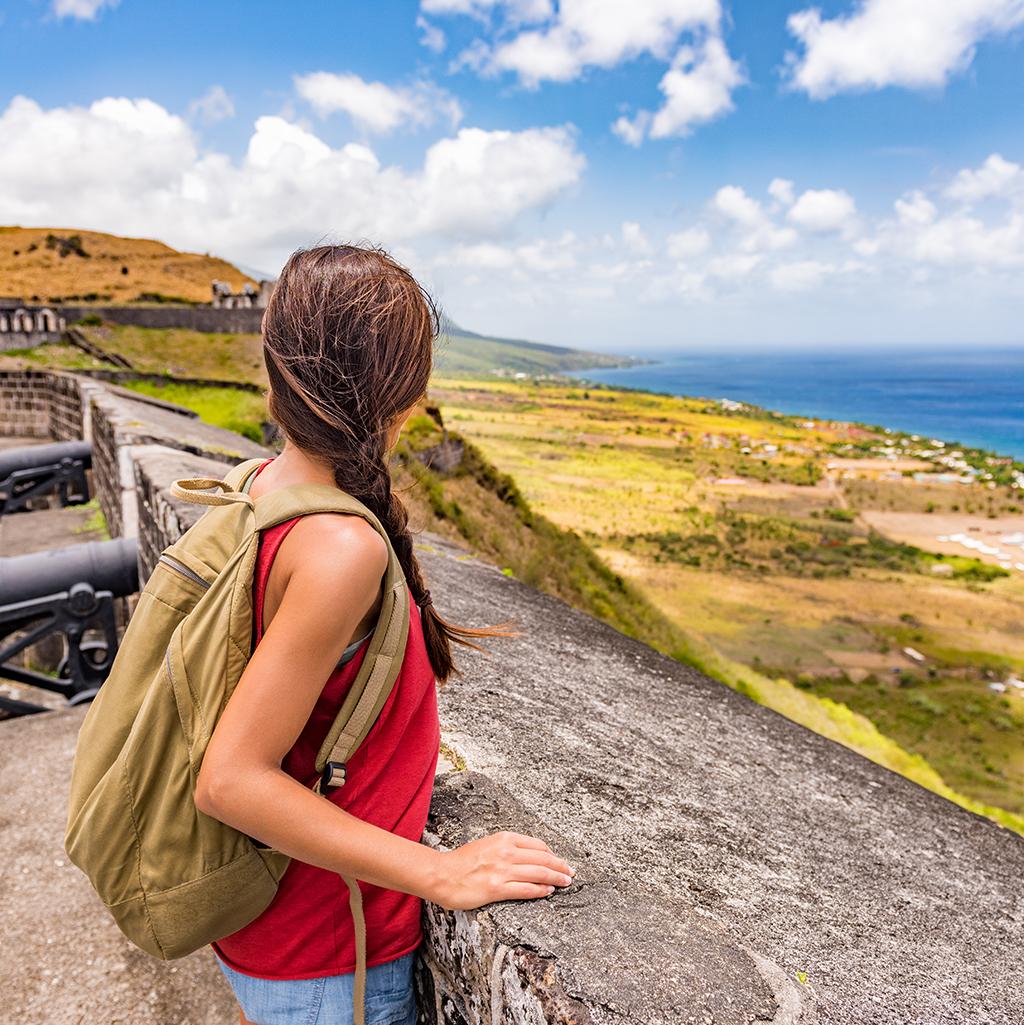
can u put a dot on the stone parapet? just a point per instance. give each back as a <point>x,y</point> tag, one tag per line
<point>734,867</point>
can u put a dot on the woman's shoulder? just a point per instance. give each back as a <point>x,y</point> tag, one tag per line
<point>333,544</point>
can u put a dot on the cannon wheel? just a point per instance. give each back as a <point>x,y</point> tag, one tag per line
<point>94,652</point>
<point>83,696</point>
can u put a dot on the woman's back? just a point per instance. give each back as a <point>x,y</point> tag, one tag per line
<point>307,930</point>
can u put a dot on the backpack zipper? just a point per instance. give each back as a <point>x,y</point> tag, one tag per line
<point>181,568</point>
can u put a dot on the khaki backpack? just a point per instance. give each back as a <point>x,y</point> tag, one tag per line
<point>173,878</point>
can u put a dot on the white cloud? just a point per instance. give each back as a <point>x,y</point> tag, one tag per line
<point>66,159</point>
<point>538,43</point>
<point>959,240</point>
<point>698,88</point>
<point>915,209</point>
<point>684,245</point>
<point>600,33</point>
<point>823,210</point>
<point>374,106</point>
<point>516,11</point>
<point>922,234</point>
<point>781,190</point>
<point>432,37</point>
<point>541,256</point>
<point>768,237</point>
<point>634,239</point>
<point>478,181</point>
<point>83,10</point>
<point>808,275</point>
<point>734,265</point>
<point>631,130</point>
<point>760,232</point>
<point>130,166</point>
<point>800,275</point>
<point>996,178</point>
<point>740,259</point>
<point>911,43</point>
<point>867,247</point>
<point>732,201</point>
<point>213,106</point>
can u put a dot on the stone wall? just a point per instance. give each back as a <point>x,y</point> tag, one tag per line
<point>12,341</point>
<point>734,867</point>
<point>123,427</point>
<point>24,327</point>
<point>196,318</point>
<point>38,404</point>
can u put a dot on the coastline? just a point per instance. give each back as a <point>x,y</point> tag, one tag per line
<point>931,405</point>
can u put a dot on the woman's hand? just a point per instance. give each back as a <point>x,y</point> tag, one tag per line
<point>501,866</point>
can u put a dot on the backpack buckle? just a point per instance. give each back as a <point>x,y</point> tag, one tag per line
<point>332,777</point>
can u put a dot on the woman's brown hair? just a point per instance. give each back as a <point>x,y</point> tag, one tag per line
<point>348,340</point>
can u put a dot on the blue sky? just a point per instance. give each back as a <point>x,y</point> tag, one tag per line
<point>642,176</point>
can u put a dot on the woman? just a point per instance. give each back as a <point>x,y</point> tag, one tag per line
<point>348,344</point>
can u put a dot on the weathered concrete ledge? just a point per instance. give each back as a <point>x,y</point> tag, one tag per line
<point>734,867</point>
<point>737,867</point>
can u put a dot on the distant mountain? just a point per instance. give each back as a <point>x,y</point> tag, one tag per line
<point>466,352</point>
<point>64,264</point>
<point>255,273</point>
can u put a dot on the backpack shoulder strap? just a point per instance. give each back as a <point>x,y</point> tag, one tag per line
<point>232,487</point>
<point>243,474</point>
<point>383,660</point>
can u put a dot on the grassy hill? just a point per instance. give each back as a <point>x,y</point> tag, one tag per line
<point>464,353</point>
<point>62,264</point>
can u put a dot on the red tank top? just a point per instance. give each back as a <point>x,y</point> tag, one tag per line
<point>307,930</point>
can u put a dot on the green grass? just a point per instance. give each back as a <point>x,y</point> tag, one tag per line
<point>96,523</point>
<point>240,411</point>
<point>178,352</point>
<point>601,469</point>
<point>789,546</point>
<point>874,731</point>
<point>970,734</point>
<point>486,509</point>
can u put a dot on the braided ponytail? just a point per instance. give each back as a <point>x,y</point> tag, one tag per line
<point>348,343</point>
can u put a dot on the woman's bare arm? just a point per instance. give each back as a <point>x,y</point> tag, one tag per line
<point>332,566</point>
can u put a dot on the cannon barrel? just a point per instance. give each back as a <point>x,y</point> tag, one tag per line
<point>33,456</point>
<point>105,565</point>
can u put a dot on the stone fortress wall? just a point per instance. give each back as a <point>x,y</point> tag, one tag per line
<point>229,312</point>
<point>23,326</point>
<point>234,320</point>
<point>733,867</point>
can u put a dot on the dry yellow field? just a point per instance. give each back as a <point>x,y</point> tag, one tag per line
<point>666,490</point>
<point>114,270</point>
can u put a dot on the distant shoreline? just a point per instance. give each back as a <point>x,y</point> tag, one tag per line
<point>967,398</point>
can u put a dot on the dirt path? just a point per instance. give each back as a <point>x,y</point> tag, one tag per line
<point>944,534</point>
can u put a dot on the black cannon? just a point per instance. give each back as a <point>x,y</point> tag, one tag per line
<point>39,469</point>
<point>67,591</point>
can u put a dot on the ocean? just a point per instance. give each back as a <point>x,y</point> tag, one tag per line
<point>973,397</point>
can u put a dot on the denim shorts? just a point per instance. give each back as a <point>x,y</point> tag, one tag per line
<point>327,999</point>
